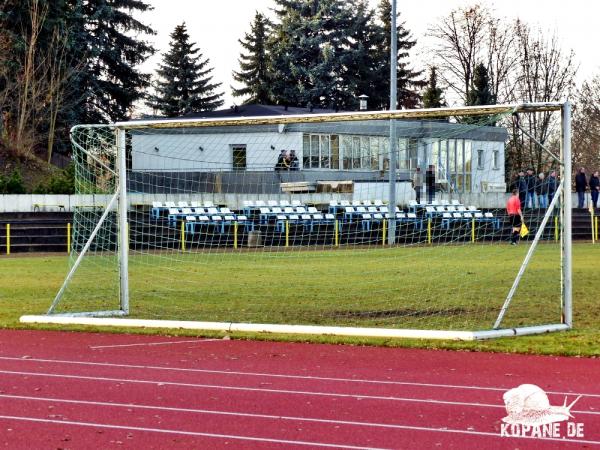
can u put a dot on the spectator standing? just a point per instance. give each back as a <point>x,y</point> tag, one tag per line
<point>294,164</point>
<point>541,191</point>
<point>280,165</point>
<point>551,184</point>
<point>515,216</point>
<point>580,186</point>
<point>595,188</point>
<point>430,182</point>
<point>417,183</point>
<point>521,186</point>
<point>531,181</point>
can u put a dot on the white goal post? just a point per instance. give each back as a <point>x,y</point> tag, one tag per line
<point>175,218</point>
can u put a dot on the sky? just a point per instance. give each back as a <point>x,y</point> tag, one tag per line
<point>216,25</point>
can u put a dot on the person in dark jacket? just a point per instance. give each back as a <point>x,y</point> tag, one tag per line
<point>531,180</point>
<point>595,188</point>
<point>551,184</point>
<point>541,191</point>
<point>430,183</point>
<point>521,186</point>
<point>294,163</point>
<point>580,187</point>
<point>282,161</point>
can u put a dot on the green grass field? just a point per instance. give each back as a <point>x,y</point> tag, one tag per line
<point>448,287</point>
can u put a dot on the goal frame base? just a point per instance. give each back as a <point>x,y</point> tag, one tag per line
<point>229,327</point>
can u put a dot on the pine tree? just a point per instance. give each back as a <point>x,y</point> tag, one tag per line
<point>254,74</point>
<point>106,56</point>
<point>480,92</point>
<point>409,80</point>
<point>362,61</point>
<point>433,97</point>
<point>306,47</point>
<point>185,84</point>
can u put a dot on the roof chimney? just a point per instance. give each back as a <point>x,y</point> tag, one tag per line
<point>362,102</point>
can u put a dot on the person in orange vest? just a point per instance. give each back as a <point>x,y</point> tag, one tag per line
<point>515,215</point>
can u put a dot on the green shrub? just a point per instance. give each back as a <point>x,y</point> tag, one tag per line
<point>13,184</point>
<point>59,183</point>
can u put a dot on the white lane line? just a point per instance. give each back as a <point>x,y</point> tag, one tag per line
<point>142,344</point>
<point>183,432</point>
<point>245,389</point>
<point>273,391</point>
<point>213,412</point>
<point>266,390</point>
<point>290,376</point>
<point>283,441</point>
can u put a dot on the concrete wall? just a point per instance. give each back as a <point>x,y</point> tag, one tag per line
<point>363,191</point>
<point>182,152</point>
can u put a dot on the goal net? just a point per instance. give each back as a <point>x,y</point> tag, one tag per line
<point>388,223</point>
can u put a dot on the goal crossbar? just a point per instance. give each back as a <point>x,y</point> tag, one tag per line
<point>425,113</point>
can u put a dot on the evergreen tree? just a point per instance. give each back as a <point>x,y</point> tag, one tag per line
<point>254,74</point>
<point>409,81</point>
<point>480,92</point>
<point>106,57</point>
<point>307,47</point>
<point>433,97</point>
<point>185,84</point>
<point>362,59</point>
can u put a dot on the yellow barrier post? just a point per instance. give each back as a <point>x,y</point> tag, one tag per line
<point>183,235</point>
<point>235,232</point>
<point>287,233</point>
<point>473,229</point>
<point>429,231</point>
<point>556,228</point>
<point>69,237</point>
<point>336,233</point>
<point>383,237</point>
<point>594,237</point>
<point>596,227</point>
<point>8,238</point>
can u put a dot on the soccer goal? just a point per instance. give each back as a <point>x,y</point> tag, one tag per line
<point>388,223</point>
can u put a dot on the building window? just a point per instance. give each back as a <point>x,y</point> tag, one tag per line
<point>480,162</point>
<point>321,151</point>
<point>335,152</point>
<point>496,160</point>
<point>238,157</point>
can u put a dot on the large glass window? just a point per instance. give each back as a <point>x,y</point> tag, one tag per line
<point>365,153</point>
<point>347,152</point>
<point>374,153</point>
<point>413,154</point>
<point>356,152</point>
<point>306,151</point>
<point>325,152</point>
<point>335,152</point>
<point>403,158</point>
<point>314,151</point>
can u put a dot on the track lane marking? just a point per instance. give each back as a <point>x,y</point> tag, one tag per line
<point>282,441</point>
<point>215,412</point>
<point>266,390</point>
<point>183,432</point>
<point>291,376</point>
<point>141,344</point>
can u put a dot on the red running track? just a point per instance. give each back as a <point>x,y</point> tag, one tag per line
<point>87,390</point>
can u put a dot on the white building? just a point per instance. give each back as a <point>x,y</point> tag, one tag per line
<point>466,157</point>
